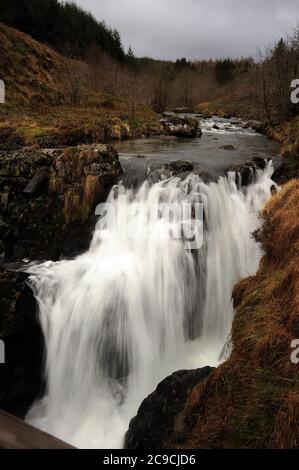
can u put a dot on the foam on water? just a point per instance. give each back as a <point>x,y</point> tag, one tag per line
<point>132,310</point>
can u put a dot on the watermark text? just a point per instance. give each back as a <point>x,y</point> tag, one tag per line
<point>295,353</point>
<point>2,92</point>
<point>295,92</point>
<point>2,352</point>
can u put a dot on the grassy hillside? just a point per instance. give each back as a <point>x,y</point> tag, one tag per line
<point>39,110</point>
<point>30,69</point>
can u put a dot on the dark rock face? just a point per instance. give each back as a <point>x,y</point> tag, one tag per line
<point>47,199</point>
<point>286,170</point>
<point>247,170</point>
<point>179,166</point>
<point>181,127</point>
<point>155,419</point>
<point>21,375</point>
<point>47,203</point>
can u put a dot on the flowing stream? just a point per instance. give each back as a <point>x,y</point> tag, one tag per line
<point>142,303</point>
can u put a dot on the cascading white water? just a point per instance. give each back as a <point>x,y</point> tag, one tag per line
<point>132,310</point>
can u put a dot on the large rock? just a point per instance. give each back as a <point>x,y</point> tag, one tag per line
<point>248,169</point>
<point>156,417</point>
<point>181,127</point>
<point>179,166</point>
<point>48,197</point>
<point>21,375</point>
<point>83,175</point>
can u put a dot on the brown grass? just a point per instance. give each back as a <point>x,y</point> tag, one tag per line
<point>30,69</point>
<point>38,110</point>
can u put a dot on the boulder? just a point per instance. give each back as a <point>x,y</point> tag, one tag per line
<point>21,374</point>
<point>48,198</point>
<point>284,172</point>
<point>120,131</point>
<point>38,182</point>
<point>156,417</point>
<point>179,166</point>
<point>247,170</point>
<point>227,147</point>
<point>181,127</point>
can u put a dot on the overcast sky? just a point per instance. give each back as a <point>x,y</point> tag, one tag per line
<point>196,29</point>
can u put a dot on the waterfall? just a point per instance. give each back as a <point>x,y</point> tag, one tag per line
<point>133,309</point>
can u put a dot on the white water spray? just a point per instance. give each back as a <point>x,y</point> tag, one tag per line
<point>130,311</point>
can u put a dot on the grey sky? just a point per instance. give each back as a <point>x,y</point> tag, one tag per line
<point>196,29</point>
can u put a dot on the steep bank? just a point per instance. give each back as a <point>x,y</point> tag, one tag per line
<point>50,100</point>
<point>287,135</point>
<point>47,199</point>
<point>252,400</point>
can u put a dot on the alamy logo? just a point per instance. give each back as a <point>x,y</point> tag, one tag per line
<point>295,353</point>
<point>138,221</point>
<point>2,352</point>
<point>295,92</point>
<point>2,92</point>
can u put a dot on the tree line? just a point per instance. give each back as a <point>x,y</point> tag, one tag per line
<point>277,68</point>
<point>263,85</point>
<point>62,25</point>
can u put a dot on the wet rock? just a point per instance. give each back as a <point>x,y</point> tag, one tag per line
<point>120,131</point>
<point>19,167</point>
<point>156,417</point>
<point>181,127</point>
<point>159,175</point>
<point>279,175</point>
<point>256,126</point>
<point>259,162</point>
<point>247,170</point>
<point>48,197</point>
<point>135,172</point>
<point>179,166</point>
<point>38,182</point>
<point>4,229</point>
<point>228,147</point>
<point>204,175</point>
<point>21,375</point>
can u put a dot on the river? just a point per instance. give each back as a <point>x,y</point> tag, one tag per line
<point>143,301</point>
